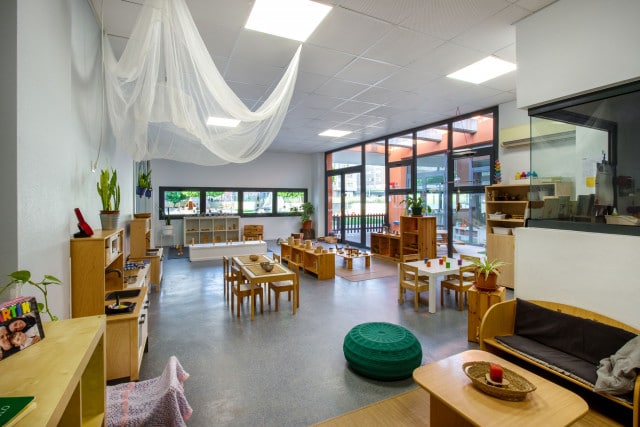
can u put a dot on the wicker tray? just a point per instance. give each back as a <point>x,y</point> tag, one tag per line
<point>516,388</point>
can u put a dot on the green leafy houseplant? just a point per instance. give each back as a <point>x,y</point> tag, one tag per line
<point>24,277</point>
<point>486,266</point>
<point>306,210</point>
<point>109,190</point>
<point>144,183</point>
<point>416,205</point>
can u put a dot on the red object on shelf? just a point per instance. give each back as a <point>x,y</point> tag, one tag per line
<point>495,372</point>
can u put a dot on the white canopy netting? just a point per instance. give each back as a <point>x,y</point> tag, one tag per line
<point>165,86</point>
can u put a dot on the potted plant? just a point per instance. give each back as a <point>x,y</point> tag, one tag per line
<point>415,205</point>
<point>306,210</point>
<point>23,277</point>
<point>167,228</point>
<point>109,192</point>
<point>487,273</point>
<point>144,183</point>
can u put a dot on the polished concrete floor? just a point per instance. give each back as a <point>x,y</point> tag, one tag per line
<point>280,369</point>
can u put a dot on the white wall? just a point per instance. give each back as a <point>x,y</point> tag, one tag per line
<point>271,170</point>
<point>58,136</point>
<point>576,46</point>
<point>571,47</point>
<point>594,271</point>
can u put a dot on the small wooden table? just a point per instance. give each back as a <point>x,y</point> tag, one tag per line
<point>349,255</point>
<point>456,402</point>
<point>256,275</point>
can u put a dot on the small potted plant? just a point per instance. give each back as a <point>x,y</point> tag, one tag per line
<point>487,273</point>
<point>109,192</point>
<point>415,205</point>
<point>306,210</point>
<point>144,183</point>
<point>23,277</point>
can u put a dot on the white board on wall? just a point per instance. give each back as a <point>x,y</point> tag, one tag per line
<point>595,271</point>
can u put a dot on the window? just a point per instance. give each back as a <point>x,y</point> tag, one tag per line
<point>182,202</point>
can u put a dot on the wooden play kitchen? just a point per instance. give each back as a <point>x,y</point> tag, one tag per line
<point>318,261</point>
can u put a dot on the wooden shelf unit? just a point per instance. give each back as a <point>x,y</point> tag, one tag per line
<point>211,229</point>
<point>140,249</point>
<point>65,372</point>
<point>97,267</point>
<point>385,245</point>
<point>418,235</point>
<point>323,265</point>
<point>513,201</point>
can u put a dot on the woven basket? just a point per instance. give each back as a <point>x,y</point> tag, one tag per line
<point>516,389</point>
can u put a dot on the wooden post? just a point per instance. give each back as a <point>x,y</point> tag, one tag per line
<point>479,303</point>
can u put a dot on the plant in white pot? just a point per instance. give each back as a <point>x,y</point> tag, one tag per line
<point>109,192</point>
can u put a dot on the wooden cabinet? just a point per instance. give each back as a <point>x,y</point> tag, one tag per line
<point>479,303</point>
<point>418,235</point>
<point>385,245</point>
<point>65,372</point>
<point>323,265</point>
<point>97,266</point>
<point>211,229</point>
<point>127,336</point>
<point>507,208</point>
<point>141,250</point>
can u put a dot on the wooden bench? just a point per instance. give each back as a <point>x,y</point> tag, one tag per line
<point>500,321</point>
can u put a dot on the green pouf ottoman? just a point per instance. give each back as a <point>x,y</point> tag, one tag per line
<point>382,351</point>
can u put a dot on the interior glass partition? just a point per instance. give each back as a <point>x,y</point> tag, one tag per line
<point>585,156</point>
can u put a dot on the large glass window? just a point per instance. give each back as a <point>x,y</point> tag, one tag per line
<point>257,202</point>
<point>289,201</point>
<point>348,157</point>
<point>586,150</point>
<point>222,202</point>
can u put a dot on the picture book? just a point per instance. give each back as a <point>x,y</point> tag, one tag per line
<point>13,409</point>
<point>20,325</point>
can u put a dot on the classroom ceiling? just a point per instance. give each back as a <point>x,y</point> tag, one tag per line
<point>373,67</point>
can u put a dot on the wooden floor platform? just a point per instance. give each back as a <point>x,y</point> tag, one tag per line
<point>411,408</point>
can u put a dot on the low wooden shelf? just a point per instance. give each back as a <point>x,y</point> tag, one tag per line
<point>385,245</point>
<point>65,372</point>
<point>323,265</point>
<point>479,303</point>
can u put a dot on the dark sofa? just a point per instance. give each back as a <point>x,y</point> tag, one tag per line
<point>562,339</point>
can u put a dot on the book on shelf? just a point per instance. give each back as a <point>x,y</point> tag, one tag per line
<point>14,408</point>
<point>20,325</point>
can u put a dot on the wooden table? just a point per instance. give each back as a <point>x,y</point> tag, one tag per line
<point>456,402</point>
<point>436,270</point>
<point>348,257</point>
<point>246,259</point>
<point>256,275</point>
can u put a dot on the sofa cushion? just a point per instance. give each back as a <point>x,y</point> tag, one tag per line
<point>585,339</point>
<point>557,360</point>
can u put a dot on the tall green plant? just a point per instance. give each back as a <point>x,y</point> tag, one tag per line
<point>109,190</point>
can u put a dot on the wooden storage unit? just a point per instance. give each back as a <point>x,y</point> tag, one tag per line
<point>140,249</point>
<point>418,235</point>
<point>513,202</point>
<point>127,336</point>
<point>479,303</point>
<point>323,265</point>
<point>385,245</point>
<point>253,232</point>
<point>211,229</point>
<point>65,372</point>
<point>97,266</point>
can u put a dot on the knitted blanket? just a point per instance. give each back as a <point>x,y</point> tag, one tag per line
<point>159,401</point>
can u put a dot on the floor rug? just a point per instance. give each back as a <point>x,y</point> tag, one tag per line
<point>379,268</point>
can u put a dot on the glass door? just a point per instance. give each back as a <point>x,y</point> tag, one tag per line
<point>345,207</point>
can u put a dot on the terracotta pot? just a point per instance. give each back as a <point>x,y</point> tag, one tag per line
<point>486,283</point>
<point>306,225</point>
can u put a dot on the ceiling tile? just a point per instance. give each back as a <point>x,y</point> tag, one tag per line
<point>366,71</point>
<point>402,46</point>
<point>340,88</point>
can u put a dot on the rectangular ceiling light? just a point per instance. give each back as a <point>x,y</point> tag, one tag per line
<point>483,70</point>
<point>292,19</point>
<point>335,133</point>
<point>222,122</point>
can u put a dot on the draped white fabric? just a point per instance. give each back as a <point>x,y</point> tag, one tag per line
<point>165,85</point>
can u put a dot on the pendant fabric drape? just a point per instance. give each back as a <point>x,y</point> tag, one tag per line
<point>165,86</point>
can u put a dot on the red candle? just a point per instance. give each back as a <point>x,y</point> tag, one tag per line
<point>495,372</point>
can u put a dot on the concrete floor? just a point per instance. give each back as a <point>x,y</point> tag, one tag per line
<point>280,369</point>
